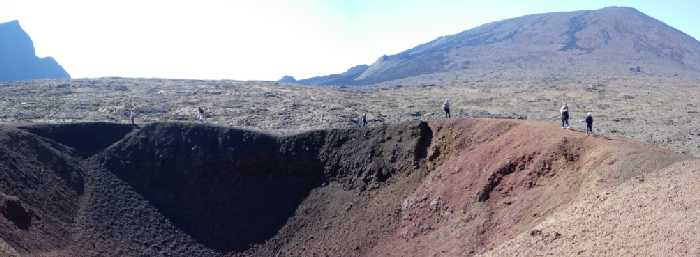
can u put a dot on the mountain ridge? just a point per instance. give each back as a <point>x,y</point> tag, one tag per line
<point>18,59</point>
<point>611,40</point>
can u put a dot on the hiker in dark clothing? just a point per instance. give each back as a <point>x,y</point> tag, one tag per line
<point>200,114</point>
<point>446,108</point>
<point>589,124</point>
<point>364,119</point>
<point>564,116</point>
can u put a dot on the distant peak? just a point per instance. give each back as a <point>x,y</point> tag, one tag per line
<point>287,79</point>
<point>619,8</point>
<point>13,23</point>
<point>17,50</point>
<point>622,36</point>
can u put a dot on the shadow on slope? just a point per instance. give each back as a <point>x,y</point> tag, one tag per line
<point>229,189</point>
<point>86,138</point>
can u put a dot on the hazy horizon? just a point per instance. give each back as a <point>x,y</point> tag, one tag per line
<point>264,40</point>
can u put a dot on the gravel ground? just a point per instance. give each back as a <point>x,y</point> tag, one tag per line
<point>652,215</point>
<point>662,111</point>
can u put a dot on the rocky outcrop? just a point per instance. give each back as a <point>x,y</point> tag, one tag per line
<point>18,60</point>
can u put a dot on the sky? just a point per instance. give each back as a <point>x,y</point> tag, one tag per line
<point>266,39</point>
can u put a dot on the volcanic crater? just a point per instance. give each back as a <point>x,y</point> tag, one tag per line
<point>459,187</point>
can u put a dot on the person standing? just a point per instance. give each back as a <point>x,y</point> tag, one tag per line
<point>200,114</point>
<point>589,124</point>
<point>364,120</point>
<point>446,108</point>
<point>564,116</point>
<point>132,116</point>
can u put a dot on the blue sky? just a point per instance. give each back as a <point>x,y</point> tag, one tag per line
<point>265,39</point>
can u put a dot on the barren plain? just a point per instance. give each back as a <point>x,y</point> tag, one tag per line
<point>660,110</point>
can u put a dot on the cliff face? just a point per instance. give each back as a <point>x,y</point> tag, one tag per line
<point>18,60</point>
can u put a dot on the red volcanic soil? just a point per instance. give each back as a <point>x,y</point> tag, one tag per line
<point>465,187</point>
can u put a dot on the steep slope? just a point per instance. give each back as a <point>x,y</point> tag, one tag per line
<point>461,187</point>
<point>613,40</point>
<point>40,186</point>
<point>254,183</point>
<point>498,179</point>
<point>652,215</point>
<point>18,60</point>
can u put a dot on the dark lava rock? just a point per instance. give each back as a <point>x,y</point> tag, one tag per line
<point>13,209</point>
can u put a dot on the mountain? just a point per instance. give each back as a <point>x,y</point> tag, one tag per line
<point>612,40</point>
<point>287,79</point>
<point>18,60</point>
<point>348,77</point>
